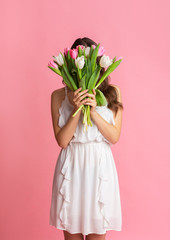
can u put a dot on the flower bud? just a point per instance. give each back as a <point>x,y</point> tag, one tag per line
<point>73,53</point>
<point>82,47</point>
<point>59,59</point>
<point>52,64</point>
<point>79,62</point>
<point>105,61</point>
<point>118,58</point>
<point>66,51</point>
<point>101,51</point>
<point>87,51</point>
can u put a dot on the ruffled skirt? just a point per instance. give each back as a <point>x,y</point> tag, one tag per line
<point>85,191</point>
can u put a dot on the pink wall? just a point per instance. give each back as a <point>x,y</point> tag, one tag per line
<point>31,33</point>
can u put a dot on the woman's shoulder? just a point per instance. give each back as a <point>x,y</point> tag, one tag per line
<point>57,96</point>
<point>58,91</point>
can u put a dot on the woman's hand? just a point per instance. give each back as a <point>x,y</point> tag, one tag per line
<point>77,96</point>
<point>92,102</point>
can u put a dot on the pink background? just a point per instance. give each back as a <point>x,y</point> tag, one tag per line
<point>31,33</point>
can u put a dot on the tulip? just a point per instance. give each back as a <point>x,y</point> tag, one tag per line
<point>105,61</point>
<point>110,69</point>
<point>87,51</point>
<point>79,62</point>
<point>82,47</point>
<point>101,51</point>
<point>87,72</point>
<point>66,50</point>
<point>52,64</point>
<point>59,59</point>
<point>118,58</point>
<point>73,53</point>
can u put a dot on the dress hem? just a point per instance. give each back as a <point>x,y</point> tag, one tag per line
<point>114,229</point>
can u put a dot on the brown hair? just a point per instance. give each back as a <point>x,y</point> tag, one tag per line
<point>109,91</point>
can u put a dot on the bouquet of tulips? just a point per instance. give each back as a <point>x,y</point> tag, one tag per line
<point>79,68</point>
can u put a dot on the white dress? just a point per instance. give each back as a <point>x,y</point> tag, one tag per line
<point>85,191</point>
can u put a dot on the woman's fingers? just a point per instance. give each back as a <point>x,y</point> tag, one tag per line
<point>79,92</point>
<point>79,95</point>
<point>76,91</point>
<point>91,95</point>
<point>92,100</point>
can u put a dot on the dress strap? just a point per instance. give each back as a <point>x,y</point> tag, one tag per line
<point>65,91</point>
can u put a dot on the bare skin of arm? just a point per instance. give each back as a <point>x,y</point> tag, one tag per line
<point>109,131</point>
<point>64,135</point>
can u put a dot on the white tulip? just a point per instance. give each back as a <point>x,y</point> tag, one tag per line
<point>105,61</point>
<point>87,51</point>
<point>79,61</point>
<point>59,59</point>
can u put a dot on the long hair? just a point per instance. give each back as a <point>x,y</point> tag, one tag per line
<point>110,92</point>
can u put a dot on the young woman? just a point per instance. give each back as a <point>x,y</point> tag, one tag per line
<point>85,193</point>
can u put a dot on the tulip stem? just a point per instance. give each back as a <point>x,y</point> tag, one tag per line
<point>77,110</point>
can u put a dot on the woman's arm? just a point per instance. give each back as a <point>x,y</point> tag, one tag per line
<point>109,131</point>
<point>63,135</point>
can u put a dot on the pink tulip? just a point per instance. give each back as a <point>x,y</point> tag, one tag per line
<point>66,51</point>
<point>73,53</point>
<point>82,47</point>
<point>101,51</point>
<point>118,58</point>
<point>93,46</point>
<point>52,64</point>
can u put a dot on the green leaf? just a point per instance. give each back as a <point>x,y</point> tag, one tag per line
<point>79,75</point>
<point>94,77</point>
<point>69,63</point>
<point>114,59</point>
<point>73,63</point>
<point>91,51</point>
<point>100,98</point>
<point>55,70</point>
<point>94,56</point>
<point>74,75</point>
<point>80,53</point>
<point>82,83</point>
<point>84,70</point>
<point>110,69</point>
<point>66,80</point>
<point>71,80</point>
<point>89,71</point>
